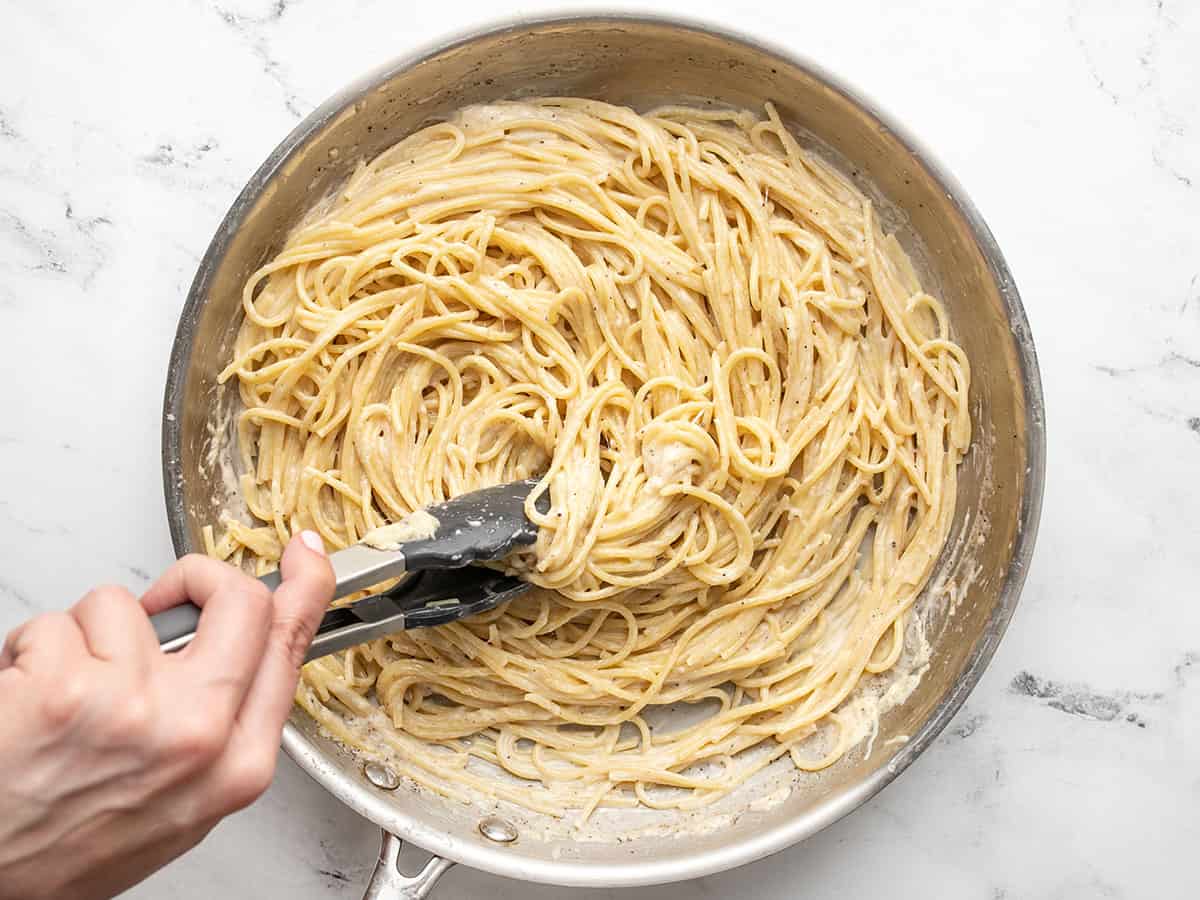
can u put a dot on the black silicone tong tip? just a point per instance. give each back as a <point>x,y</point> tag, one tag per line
<point>422,600</point>
<point>478,527</point>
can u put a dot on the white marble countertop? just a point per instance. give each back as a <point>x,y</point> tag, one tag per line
<point>127,128</point>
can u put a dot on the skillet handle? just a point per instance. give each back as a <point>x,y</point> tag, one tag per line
<point>389,883</point>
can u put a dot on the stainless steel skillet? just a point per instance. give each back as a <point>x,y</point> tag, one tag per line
<point>642,62</point>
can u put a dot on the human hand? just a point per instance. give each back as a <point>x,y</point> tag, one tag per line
<point>116,757</point>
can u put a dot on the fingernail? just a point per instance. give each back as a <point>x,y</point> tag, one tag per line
<point>313,541</point>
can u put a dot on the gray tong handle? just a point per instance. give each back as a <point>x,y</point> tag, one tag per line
<point>422,600</point>
<point>355,568</point>
<point>176,626</point>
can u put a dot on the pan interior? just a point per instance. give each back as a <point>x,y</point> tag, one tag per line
<point>642,64</point>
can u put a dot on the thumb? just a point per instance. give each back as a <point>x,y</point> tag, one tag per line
<point>299,602</point>
<point>302,597</point>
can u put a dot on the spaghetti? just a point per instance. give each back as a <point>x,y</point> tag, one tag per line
<point>747,413</point>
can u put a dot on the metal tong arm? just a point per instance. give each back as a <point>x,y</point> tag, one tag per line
<point>423,599</point>
<point>355,568</point>
<point>480,526</point>
<point>420,601</point>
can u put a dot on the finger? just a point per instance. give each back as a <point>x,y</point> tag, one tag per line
<point>48,643</point>
<point>6,653</point>
<point>300,601</point>
<point>230,641</point>
<point>245,770</point>
<point>115,626</point>
<point>231,635</point>
<point>190,577</point>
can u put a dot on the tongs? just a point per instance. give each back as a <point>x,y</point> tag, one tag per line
<point>440,585</point>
